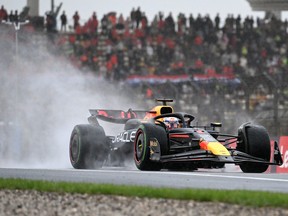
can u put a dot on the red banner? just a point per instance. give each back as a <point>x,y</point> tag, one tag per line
<point>283,146</point>
<point>134,79</point>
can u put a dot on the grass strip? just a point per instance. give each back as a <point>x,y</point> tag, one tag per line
<point>241,197</point>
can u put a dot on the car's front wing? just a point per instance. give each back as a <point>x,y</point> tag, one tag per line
<point>237,157</point>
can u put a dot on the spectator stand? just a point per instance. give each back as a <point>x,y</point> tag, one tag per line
<point>228,66</point>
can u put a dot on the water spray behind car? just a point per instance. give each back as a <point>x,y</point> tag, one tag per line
<point>52,96</point>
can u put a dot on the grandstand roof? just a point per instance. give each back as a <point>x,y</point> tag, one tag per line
<point>269,5</point>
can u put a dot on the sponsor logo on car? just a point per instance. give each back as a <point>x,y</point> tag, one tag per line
<point>154,143</point>
<point>127,136</point>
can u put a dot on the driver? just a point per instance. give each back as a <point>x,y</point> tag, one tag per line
<point>171,122</point>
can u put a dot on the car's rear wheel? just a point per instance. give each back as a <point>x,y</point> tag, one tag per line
<point>88,148</point>
<point>148,138</point>
<point>255,141</point>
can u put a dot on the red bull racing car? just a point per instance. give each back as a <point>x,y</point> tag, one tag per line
<point>163,139</point>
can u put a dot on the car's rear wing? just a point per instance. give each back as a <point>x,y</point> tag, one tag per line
<point>118,116</point>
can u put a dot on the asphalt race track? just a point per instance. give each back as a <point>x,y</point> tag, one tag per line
<point>125,176</point>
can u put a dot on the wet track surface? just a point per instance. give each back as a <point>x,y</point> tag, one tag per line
<point>127,176</point>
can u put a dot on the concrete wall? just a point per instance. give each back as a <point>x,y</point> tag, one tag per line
<point>34,7</point>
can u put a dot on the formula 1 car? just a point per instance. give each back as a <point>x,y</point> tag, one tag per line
<point>155,146</point>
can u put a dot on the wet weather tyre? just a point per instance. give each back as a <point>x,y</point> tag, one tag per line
<point>88,148</point>
<point>255,141</point>
<point>144,135</point>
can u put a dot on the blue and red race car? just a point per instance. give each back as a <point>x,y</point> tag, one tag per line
<point>163,139</point>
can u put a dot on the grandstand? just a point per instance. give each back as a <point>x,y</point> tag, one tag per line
<point>217,72</point>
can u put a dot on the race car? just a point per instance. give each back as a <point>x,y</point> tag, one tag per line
<point>163,139</point>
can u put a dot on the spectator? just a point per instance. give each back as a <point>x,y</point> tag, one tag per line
<point>76,19</point>
<point>181,23</point>
<point>238,24</point>
<point>11,16</point>
<point>50,22</point>
<point>93,24</point>
<point>161,22</point>
<point>104,23</point>
<point>144,22</point>
<point>63,19</point>
<point>120,25</point>
<point>133,17</point>
<point>3,14</point>
<point>170,24</point>
<point>138,17</point>
<point>16,17</point>
<point>217,21</point>
<point>191,21</point>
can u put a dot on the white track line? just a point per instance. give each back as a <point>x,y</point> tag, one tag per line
<point>195,174</point>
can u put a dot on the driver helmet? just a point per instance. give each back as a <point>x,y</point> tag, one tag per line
<point>171,122</point>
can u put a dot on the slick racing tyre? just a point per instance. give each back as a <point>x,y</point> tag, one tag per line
<point>88,148</point>
<point>255,141</point>
<point>148,138</point>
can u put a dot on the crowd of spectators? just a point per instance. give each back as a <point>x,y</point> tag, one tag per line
<point>240,60</point>
<point>121,47</point>
<point>11,17</point>
<point>116,48</point>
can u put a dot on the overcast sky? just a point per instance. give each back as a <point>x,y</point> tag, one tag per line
<point>150,7</point>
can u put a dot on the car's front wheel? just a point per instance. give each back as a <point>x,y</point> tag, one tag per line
<point>254,140</point>
<point>150,141</point>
